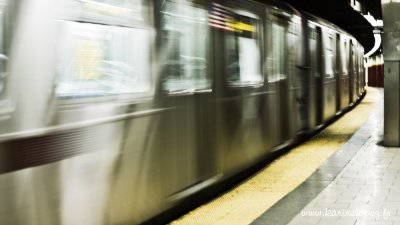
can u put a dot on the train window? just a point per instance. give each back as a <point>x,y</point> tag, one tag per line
<point>278,53</point>
<point>186,36</point>
<point>354,59</point>
<point>361,60</point>
<point>3,58</point>
<point>344,53</point>
<point>329,57</point>
<point>315,50</point>
<point>243,58</point>
<point>8,14</point>
<point>318,52</point>
<point>105,11</point>
<point>96,60</point>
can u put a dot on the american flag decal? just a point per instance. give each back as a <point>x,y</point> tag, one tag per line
<point>221,17</point>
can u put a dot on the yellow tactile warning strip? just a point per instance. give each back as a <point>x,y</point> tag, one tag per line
<point>248,200</point>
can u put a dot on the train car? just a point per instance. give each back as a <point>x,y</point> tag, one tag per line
<point>335,63</point>
<point>113,112</point>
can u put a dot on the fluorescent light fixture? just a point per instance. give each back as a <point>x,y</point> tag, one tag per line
<point>356,5</point>
<point>379,23</point>
<point>377,36</point>
<point>370,19</point>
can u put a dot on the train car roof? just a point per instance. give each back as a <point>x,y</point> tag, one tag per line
<point>281,5</point>
<point>324,22</point>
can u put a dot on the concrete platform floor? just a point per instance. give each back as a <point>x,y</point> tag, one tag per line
<point>367,190</point>
<point>341,176</point>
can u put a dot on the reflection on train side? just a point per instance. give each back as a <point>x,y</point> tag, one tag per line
<point>102,60</point>
<point>187,37</point>
<point>114,111</point>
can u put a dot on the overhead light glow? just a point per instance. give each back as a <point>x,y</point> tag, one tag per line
<point>378,41</point>
<point>356,5</point>
<point>379,23</point>
<point>377,36</point>
<point>370,19</point>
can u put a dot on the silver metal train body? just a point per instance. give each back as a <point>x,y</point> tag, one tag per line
<point>113,111</point>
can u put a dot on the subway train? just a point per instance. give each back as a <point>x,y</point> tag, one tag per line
<point>115,111</point>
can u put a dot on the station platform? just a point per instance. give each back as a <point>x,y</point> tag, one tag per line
<point>340,176</point>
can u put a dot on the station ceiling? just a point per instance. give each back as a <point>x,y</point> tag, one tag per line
<point>341,13</point>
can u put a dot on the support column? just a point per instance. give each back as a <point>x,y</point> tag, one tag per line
<point>391,54</point>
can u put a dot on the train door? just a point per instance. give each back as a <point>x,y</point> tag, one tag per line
<point>356,72</point>
<point>362,71</point>
<point>338,74</point>
<point>359,68</point>
<point>311,82</point>
<point>353,73</point>
<point>360,58</point>
<point>278,79</point>
<point>363,80</point>
<point>186,86</point>
<point>343,56</point>
<point>239,83</point>
<point>316,75</point>
<point>329,74</point>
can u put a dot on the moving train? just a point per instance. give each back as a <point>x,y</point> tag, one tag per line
<point>115,111</point>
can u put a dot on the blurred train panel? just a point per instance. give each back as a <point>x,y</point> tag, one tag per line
<point>113,112</point>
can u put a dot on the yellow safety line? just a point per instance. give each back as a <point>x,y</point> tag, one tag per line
<point>248,200</point>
